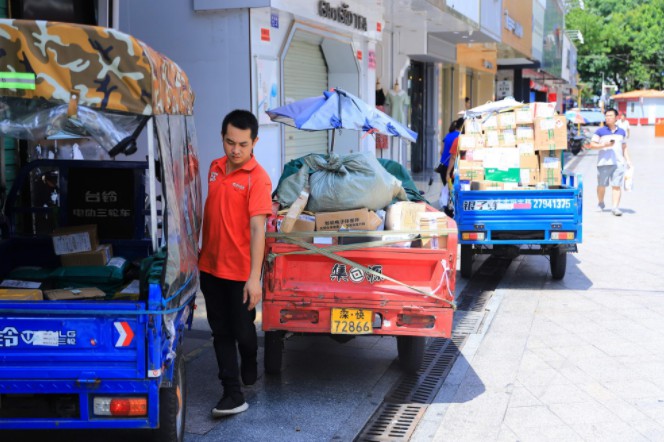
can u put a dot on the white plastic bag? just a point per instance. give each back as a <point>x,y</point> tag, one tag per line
<point>444,198</point>
<point>628,180</point>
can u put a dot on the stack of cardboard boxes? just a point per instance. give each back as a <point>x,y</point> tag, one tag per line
<point>517,149</point>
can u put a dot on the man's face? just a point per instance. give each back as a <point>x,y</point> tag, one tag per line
<point>238,145</point>
<point>610,118</point>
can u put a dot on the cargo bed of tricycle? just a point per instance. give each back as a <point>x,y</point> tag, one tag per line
<point>407,292</point>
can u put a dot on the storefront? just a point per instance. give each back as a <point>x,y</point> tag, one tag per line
<point>262,57</point>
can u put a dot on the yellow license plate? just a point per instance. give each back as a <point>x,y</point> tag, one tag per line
<point>351,321</point>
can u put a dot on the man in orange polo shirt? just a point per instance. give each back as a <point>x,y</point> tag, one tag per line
<point>231,256</point>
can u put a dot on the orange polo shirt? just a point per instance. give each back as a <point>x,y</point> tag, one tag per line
<point>231,202</point>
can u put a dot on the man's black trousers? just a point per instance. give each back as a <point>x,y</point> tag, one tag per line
<point>232,327</point>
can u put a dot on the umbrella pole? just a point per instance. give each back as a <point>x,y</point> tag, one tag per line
<point>332,144</point>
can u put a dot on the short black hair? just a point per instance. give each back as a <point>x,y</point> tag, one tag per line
<point>243,120</point>
<point>458,124</point>
<point>615,112</point>
<point>467,99</point>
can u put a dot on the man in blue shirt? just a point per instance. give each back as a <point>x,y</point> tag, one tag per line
<point>448,141</point>
<point>612,160</point>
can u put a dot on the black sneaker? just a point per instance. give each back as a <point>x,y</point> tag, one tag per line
<point>229,405</point>
<point>249,373</point>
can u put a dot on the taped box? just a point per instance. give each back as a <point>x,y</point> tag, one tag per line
<point>550,133</point>
<point>21,295</point>
<point>358,219</point>
<point>471,170</point>
<point>99,257</point>
<point>69,294</point>
<point>550,171</point>
<point>525,114</point>
<point>402,215</point>
<point>75,239</point>
<point>507,120</point>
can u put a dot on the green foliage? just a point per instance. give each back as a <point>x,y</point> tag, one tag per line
<point>623,41</point>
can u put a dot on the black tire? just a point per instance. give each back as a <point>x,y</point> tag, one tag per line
<point>411,352</point>
<point>466,261</point>
<point>558,260</point>
<point>274,348</point>
<point>172,406</point>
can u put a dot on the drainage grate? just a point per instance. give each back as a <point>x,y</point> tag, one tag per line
<point>393,422</point>
<point>403,407</point>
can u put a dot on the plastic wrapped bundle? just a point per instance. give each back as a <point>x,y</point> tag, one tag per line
<point>346,182</point>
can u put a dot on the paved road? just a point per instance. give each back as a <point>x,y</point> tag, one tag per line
<point>579,359</point>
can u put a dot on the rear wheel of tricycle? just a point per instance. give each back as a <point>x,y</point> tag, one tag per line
<point>466,260</point>
<point>411,352</point>
<point>274,348</point>
<point>172,406</point>
<point>558,260</point>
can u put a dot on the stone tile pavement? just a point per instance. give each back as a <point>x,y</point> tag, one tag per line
<point>577,359</point>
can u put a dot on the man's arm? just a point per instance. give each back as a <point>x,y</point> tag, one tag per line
<point>253,289</point>
<point>597,144</point>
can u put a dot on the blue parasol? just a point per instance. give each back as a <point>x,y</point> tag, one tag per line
<point>338,109</point>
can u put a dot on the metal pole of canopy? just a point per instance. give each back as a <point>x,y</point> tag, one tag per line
<point>152,182</point>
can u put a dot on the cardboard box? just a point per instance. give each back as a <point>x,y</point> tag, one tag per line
<point>474,141</point>
<point>67,294</point>
<point>529,177</point>
<point>490,123</point>
<point>544,110</point>
<point>99,257</point>
<point>500,138</point>
<point>402,215</point>
<point>294,211</point>
<point>75,239</point>
<point>16,284</point>
<point>21,295</point>
<point>432,221</point>
<point>472,126</point>
<point>507,120</point>
<point>550,170</point>
<point>475,154</point>
<point>550,133</point>
<point>509,175</point>
<point>303,223</point>
<point>528,161</point>
<point>359,219</point>
<point>501,158</point>
<point>525,134</point>
<point>471,170</point>
<point>486,185</point>
<point>525,114</point>
<point>525,148</point>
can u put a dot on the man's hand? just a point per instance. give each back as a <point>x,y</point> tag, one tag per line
<point>252,292</point>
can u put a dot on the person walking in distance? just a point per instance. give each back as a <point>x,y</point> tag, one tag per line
<point>231,257</point>
<point>612,160</point>
<point>623,124</point>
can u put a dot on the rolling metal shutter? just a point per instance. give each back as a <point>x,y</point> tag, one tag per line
<point>305,75</point>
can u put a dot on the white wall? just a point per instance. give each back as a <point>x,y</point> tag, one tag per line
<point>213,50</point>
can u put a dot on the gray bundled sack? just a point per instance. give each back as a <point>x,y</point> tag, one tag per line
<point>344,182</point>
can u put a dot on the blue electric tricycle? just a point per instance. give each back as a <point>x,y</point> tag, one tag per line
<point>105,138</point>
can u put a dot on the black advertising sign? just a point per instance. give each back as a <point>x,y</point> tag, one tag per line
<point>104,197</point>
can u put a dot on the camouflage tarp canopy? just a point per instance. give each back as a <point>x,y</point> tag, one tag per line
<point>61,78</point>
<point>105,69</point>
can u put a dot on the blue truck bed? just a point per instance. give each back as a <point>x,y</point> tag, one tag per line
<point>529,221</point>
